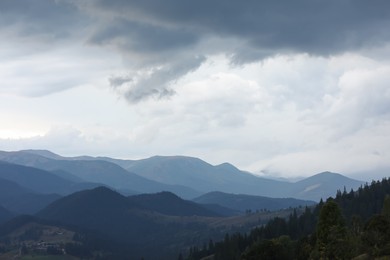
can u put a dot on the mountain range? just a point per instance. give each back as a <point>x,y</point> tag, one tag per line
<point>157,226</point>
<point>187,177</point>
<point>244,203</point>
<point>152,207</point>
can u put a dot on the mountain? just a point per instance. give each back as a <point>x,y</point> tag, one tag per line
<point>20,200</point>
<point>133,223</point>
<point>84,208</point>
<point>115,176</point>
<point>37,180</point>
<point>94,171</point>
<point>187,177</point>
<point>88,208</point>
<point>43,153</point>
<point>222,211</point>
<point>67,176</point>
<point>323,185</point>
<point>195,173</point>
<point>249,202</point>
<point>5,215</point>
<point>170,204</point>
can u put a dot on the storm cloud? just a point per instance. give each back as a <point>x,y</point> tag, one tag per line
<point>314,27</point>
<point>164,37</point>
<point>281,86</point>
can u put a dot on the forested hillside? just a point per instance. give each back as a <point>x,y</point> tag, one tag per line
<point>355,223</point>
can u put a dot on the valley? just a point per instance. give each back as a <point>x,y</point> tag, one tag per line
<point>109,208</point>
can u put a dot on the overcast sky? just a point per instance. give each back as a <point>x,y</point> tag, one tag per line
<point>287,88</point>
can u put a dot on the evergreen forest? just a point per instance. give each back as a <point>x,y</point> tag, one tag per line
<point>353,225</point>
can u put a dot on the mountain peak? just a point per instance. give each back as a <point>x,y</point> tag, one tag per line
<point>324,185</point>
<point>227,166</point>
<point>327,175</point>
<point>86,204</point>
<point>44,153</point>
<point>180,158</point>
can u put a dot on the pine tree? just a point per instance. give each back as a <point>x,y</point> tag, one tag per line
<point>331,232</point>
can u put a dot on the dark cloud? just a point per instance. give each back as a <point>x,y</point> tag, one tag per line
<point>259,29</point>
<point>155,84</point>
<point>48,19</point>
<point>266,27</point>
<point>140,37</point>
<point>314,26</point>
<point>164,37</point>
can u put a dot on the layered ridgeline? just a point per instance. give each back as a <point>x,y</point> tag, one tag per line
<point>185,176</point>
<point>21,200</point>
<point>87,172</point>
<point>102,222</point>
<point>250,203</point>
<point>135,226</point>
<point>227,178</point>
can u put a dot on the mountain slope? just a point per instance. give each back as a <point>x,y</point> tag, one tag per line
<point>185,176</point>
<point>94,171</point>
<point>37,180</point>
<point>204,177</point>
<point>227,178</point>
<point>323,185</point>
<point>5,215</point>
<point>249,202</point>
<point>18,199</point>
<point>169,204</point>
<point>88,208</point>
<point>134,226</point>
<point>115,176</point>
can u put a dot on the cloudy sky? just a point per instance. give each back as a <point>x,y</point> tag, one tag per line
<point>288,88</point>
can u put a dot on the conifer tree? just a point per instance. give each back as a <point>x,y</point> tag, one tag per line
<point>331,232</point>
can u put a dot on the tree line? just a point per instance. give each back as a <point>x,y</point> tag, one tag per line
<point>354,223</point>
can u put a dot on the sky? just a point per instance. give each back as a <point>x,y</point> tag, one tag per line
<point>277,88</point>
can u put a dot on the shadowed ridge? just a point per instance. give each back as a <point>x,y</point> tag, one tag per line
<point>170,204</point>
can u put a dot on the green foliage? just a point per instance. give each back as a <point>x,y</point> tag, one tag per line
<point>331,232</point>
<point>386,207</point>
<point>282,248</point>
<point>376,237</point>
<point>351,225</point>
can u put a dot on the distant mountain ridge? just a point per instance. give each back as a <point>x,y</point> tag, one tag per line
<point>186,176</point>
<point>20,200</point>
<point>35,179</point>
<point>253,203</point>
<point>202,176</point>
<point>99,172</point>
<point>193,172</point>
<point>322,184</point>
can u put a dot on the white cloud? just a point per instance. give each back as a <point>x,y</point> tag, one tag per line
<point>262,104</point>
<point>294,124</point>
